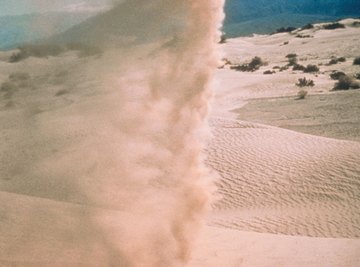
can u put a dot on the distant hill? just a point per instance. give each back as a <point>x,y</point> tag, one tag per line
<point>20,29</point>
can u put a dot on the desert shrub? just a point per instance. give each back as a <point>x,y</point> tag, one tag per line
<point>357,76</point>
<point>355,24</point>
<point>254,65</point>
<point>298,67</point>
<point>335,60</point>
<point>222,39</point>
<point>332,26</point>
<point>307,27</point>
<point>286,43</point>
<point>356,61</point>
<point>303,82</point>
<point>276,67</point>
<point>19,76</point>
<point>302,94</point>
<point>39,50</point>
<point>346,83</point>
<point>269,72</point>
<point>61,92</point>
<point>8,87</point>
<point>291,55</point>
<point>335,75</point>
<point>284,29</point>
<point>292,61</point>
<point>311,68</point>
<point>284,68</point>
<point>84,50</point>
<point>303,36</point>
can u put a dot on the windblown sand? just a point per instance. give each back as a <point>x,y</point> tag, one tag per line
<point>284,197</point>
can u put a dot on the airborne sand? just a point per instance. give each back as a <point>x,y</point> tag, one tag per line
<point>284,198</point>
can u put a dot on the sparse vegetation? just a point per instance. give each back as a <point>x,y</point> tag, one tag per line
<point>8,87</point>
<point>254,65</point>
<point>61,92</point>
<point>40,50</point>
<point>286,43</point>
<point>335,60</point>
<point>311,68</point>
<point>302,94</point>
<point>19,76</point>
<point>334,25</point>
<point>291,55</point>
<point>303,82</point>
<point>335,75</point>
<point>222,39</point>
<point>307,27</point>
<point>346,83</point>
<point>284,29</point>
<point>298,67</point>
<point>303,36</point>
<point>356,61</point>
<point>357,76</point>
<point>269,72</point>
<point>84,50</point>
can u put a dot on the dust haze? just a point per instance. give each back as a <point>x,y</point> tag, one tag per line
<point>112,165</point>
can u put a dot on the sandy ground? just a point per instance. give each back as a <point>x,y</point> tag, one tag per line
<point>284,198</point>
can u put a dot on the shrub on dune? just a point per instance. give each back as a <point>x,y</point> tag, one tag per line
<point>346,83</point>
<point>311,68</point>
<point>254,65</point>
<point>303,82</point>
<point>333,26</point>
<point>356,61</point>
<point>302,94</point>
<point>335,75</point>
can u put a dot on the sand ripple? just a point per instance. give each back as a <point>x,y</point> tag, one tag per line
<point>280,181</point>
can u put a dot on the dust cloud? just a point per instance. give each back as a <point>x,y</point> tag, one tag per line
<point>120,152</point>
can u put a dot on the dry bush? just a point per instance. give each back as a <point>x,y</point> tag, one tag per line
<point>254,65</point>
<point>307,27</point>
<point>303,36</point>
<point>303,82</point>
<point>19,76</point>
<point>298,67</point>
<point>84,50</point>
<point>302,94</point>
<point>335,60</point>
<point>333,26</point>
<point>269,72</point>
<point>283,29</point>
<point>39,50</point>
<point>346,83</point>
<point>311,68</point>
<point>357,76</point>
<point>335,75</point>
<point>356,61</point>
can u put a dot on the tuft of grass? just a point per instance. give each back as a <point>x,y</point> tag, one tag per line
<point>303,82</point>
<point>302,94</point>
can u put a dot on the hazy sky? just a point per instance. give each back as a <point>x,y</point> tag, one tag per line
<point>12,7</point>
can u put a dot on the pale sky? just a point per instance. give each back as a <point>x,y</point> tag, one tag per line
<point>13,7</point>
